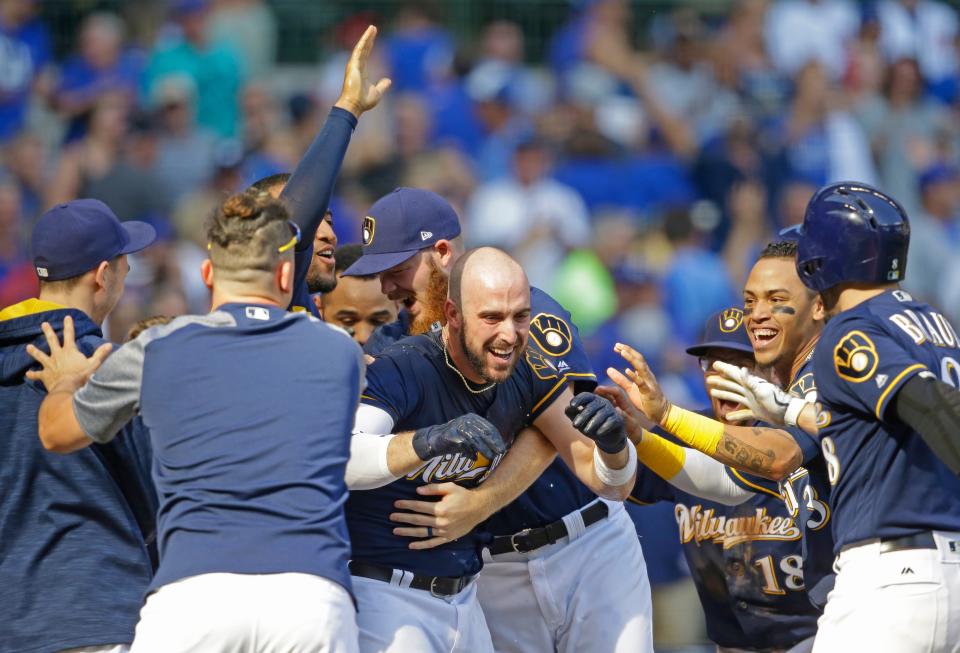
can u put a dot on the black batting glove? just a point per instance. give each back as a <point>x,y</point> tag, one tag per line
<point>599,420</point>
<point>468,435</point>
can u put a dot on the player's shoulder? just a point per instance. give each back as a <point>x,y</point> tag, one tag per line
<point>408,353</point>
<point>554,342</point>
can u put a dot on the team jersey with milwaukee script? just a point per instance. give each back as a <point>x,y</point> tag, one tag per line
<point>885,481</point>
<point>746,562</point>
<point>806,493</point>
<point>557,357</point>
<point>415,382</point>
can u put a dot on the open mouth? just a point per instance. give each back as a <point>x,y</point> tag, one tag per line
<point>763,337</point>
<point>326,254</point>
<point>502,354</point>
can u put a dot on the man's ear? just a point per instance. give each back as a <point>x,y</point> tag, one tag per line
<point>101,274</point>
<point>819,313</point>
<point>452,314</point>
<point>285,277</point>
<point>443,254</point>
<point>206,273</point>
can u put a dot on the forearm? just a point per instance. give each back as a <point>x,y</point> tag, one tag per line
<point>580,459</point>
<point>768,452</point>
<point>57,424</point>
<point>807,419</point>
<point>379,459</point>
<point>523,464</point>
<point>309,189</point>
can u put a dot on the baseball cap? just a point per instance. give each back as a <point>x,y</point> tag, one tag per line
<point>74,237</point>
<point>723,330</point>
<point>399,225</point>
<point>937,173</point>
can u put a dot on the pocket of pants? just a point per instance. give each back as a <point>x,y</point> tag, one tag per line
<point>917,568</point>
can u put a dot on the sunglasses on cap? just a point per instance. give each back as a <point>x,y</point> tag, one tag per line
<point>293,242</point>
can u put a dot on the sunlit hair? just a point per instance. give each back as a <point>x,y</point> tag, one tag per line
<point>246,233</point>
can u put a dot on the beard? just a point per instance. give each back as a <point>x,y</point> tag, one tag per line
<point>319,281</point>
<point>476,360</point>
<point>431,302</point>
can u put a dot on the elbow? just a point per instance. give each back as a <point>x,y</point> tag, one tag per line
<point>615,492</point>
<point>50,442</point>
<point>784,465</point>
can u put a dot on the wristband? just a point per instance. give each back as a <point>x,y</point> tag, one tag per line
<point>701,433</point>
<point>615,477</point>
<point>794,408</point>
<point>662,456</point>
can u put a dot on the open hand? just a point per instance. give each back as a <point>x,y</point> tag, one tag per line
<point>358,93</point>
<point>640,384</point>
<point>65,365</point>
<point>454,514</point>
<point>761,400</point>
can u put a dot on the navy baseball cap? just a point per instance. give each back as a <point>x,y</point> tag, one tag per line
<point>723,330</point>
<point>75,237</point>
<point>399,225</point>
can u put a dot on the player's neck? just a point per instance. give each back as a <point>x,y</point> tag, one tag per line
<point>221,298</point>
<point>854,295</point>
<point>802,355</point>
<point>458,357</point>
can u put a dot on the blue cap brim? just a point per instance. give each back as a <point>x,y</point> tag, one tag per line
<point>141,235</point>
<point>792,234</point>
<point>702,348</point>
<point>376,263</point>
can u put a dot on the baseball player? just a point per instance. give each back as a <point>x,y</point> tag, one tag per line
<point>356,303</point>
<point>745,554</point>
<point>424,599</point>
<point>783,319</point>
<point>253,542</point>
<point>543,562</point>
<point>307,191</point>
<point>887,370</point>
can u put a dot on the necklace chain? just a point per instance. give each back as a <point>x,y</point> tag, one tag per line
<point>466,384</point>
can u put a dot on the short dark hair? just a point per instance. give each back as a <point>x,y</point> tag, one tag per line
<point>347,255</point>
<point>144,324</point>
<point>68,284</point>
<point>246,232</point>
<point>779,249</point>
<point>264,185</point>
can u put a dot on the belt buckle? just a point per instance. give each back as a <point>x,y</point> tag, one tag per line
<point>433,592</point>
<point>513,538</point>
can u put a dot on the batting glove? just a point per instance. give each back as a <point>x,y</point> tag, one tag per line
<point>467,435</point>
<point>761,399</point>
<point>598,419</point>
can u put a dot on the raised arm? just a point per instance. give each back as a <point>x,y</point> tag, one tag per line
<point>308,191</point>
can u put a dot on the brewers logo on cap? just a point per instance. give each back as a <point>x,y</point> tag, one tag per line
<point>369,228</point>
<point>730,320</point>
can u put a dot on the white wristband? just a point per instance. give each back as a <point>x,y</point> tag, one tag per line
<point>794,408</point>
<point>615,477</point>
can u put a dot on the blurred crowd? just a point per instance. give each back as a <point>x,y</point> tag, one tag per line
<point>634,173</point>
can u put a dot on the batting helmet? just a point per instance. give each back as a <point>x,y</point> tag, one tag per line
<point>851,232</point>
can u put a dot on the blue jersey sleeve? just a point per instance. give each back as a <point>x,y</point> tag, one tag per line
<point>556,338</point>
<point>752,483</point>
<point>392,385</point>
<point>650,488</point>
<point>859,366</point>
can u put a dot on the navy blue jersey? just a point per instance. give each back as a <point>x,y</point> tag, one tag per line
<point>414,381</point>
<point>557,357</point>
<point>886,482</point>
<point>249,473</point>
<point>806,494</point>
<point>746,562</point>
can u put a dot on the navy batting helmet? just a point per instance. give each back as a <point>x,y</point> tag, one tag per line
<point>851,232</point>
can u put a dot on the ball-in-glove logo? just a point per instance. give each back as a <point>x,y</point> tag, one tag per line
<point>368,230</point>
<point>855,357</point>
<point>551,334</point>
<point>730,320</point>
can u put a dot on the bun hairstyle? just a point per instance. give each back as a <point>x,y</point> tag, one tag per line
<point>246,231</point>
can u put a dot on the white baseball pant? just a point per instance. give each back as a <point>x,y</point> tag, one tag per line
<point>895,602</point>
<point>109,648</point>
<point>587,592</point>
<point>800,647</point>
<point>246,613</point>
<point>397,619</point>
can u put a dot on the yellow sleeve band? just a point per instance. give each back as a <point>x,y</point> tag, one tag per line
<point>701,433</point>
<point>663,457</point>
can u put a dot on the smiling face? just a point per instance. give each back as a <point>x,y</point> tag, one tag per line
<point>357,304</point>
<point>782,316</point>
<point>420,286</point>
<point>321,276</point>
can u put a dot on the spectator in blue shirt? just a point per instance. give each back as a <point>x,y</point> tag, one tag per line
<point>24,54</point>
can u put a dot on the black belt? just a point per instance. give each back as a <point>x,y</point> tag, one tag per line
<point>436,585</point>
<point>915,541</point>
<point>531,539</point>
